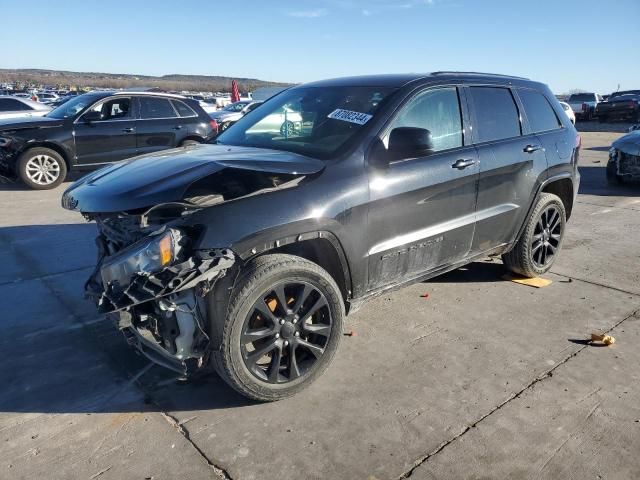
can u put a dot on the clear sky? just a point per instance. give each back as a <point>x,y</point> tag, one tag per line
<point>587,44</point>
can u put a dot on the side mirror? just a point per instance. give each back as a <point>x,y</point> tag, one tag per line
<point>407,142</point>
<point>91,116</point>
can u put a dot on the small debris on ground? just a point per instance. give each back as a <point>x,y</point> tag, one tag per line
<point>604,338</point>
<point>350,333</point>
<point>568,280</point>
<point>424,295</point>
<point>536,282</point>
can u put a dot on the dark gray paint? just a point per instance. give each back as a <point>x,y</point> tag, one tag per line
<point>410,219</point>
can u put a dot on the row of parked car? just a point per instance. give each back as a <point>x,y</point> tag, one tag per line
<point>622,105</point>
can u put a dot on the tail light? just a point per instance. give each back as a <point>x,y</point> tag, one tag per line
<point>214,125</point>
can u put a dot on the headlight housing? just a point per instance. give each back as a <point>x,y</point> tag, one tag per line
<point>147,256</point>
<point>612,152</point>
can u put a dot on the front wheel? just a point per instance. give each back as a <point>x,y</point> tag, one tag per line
<point>538,246</point>
<point>281,329</point>
<point>190,142</point>
<point>42,168</point>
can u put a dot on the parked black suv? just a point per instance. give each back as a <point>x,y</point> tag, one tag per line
<point>245,255</point>
<point>97,128</point>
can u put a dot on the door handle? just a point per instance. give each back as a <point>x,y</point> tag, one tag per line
<point>462,164</point>
<point>531,148</point>
<point>127,130</point>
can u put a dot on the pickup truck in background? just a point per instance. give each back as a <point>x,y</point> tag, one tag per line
<point>584,105</point>
<point>620,106</point>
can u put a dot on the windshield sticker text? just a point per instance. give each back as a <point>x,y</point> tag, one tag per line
<point>350,116</point>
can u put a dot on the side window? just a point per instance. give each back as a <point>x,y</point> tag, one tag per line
<point>437,110</point>
<point>11,105</point>
<point>151,107</point>
<point>113,109</point>
<point>540,114</point>
<point>183,109</point>
<point>496,113</point>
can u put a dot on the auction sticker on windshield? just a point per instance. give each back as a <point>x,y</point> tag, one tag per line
<point>350,116</point>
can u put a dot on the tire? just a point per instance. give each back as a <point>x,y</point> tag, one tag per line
<point>532,261</point>
<point>287,129</point>
<point>41,168</point>
<point>612,176</point>
<point>189,142</point>
<point>240,361</point>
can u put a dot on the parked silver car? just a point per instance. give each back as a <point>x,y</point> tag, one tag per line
<point>16,107</point>
<point>232,113</point>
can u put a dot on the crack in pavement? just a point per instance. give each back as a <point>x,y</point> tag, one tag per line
<point>220,472</point>
<point>513,396</point>
<point>591,282</point>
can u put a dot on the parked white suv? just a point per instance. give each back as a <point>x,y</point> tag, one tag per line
<point>584,104</point>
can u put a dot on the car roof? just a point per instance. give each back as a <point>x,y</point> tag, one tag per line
<point>398,80</point>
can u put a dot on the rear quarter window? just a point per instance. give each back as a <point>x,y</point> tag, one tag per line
<point>496,113</point>
<point>183,109</point>
<point>539,112</point>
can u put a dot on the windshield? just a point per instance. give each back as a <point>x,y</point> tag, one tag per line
<point>582,97</point>
<point>313,121</point>
<point>71,108</point>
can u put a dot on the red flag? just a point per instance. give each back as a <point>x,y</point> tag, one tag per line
<point>235,93</point>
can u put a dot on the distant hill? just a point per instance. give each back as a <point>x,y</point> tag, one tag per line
<point>204,83</point>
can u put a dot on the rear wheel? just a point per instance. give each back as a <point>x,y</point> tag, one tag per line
<point>280,330</point>
<point>42,168</point>
<point>540,242</point>
<point>190,142</point>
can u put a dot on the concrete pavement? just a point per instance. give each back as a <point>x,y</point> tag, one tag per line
<point>483,379</point>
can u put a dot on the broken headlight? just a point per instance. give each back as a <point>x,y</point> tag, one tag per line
<point>147,256</point>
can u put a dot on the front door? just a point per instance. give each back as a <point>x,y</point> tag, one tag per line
<point>422,210</point>
<point>110,138</point>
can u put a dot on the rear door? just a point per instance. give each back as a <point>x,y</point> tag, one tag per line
<point>421,212</point>
<point>158,126</point>
<point>109,139</point>
<point>544,122</point>
<point>510,162</point>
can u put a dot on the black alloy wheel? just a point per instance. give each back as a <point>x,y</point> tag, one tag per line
<point>546,237</point>
<point>286,332</point>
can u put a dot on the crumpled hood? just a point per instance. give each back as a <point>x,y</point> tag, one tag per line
<point>629,144</point>
<point>29,122</point>
<point>165,176</point>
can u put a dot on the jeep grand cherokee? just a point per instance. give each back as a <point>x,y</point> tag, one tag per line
<point>246,255</point>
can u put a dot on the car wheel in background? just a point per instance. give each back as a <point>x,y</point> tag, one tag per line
<point>186,143</point>
<point>287,129</point>
<point>41,168</point>
<point>281,328</point>
<point>538,246</point>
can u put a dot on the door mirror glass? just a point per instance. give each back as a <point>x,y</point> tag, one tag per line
<point>409,142</point>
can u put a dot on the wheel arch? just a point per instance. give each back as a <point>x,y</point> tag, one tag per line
<point>320,247</point>
<point>52,146</point>
<point>563,188</point>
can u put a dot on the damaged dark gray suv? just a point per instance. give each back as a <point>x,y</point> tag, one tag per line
<point>245,256</point>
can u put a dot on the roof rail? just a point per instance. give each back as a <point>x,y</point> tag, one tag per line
<point>478,73</point>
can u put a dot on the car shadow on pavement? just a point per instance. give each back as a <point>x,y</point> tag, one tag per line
<point>593,181</point>
<point>483,271</point>
<point>59,354</point>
